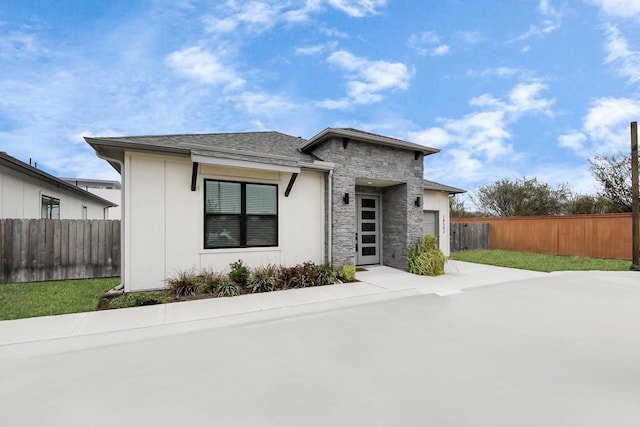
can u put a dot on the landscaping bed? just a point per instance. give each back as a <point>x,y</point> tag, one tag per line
<point>240,280</point>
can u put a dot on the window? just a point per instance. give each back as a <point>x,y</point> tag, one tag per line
<point>84,212</point>
<point>50,207</point>
<point>240,215</point>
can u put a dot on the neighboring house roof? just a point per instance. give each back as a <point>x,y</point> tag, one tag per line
<point>23,168</point>
<point>359,135</point>
<point>434,186</point>
<point>94,183</point>
<point>261,147</point>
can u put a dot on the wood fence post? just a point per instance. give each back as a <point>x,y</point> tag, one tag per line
<point>635,265</point>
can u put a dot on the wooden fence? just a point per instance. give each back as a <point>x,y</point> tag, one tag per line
<point>465,236</point>
<point>43,249</point>
<point>598,236</point>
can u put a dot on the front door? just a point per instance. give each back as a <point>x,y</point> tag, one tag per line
<point>368,231</point>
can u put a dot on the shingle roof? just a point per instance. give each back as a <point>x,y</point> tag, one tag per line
<point>434,186</point>
<point>365,136</point>
<point>19,166</point>
<point>271,147</point>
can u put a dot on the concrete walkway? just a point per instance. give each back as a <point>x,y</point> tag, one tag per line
<point>377,283</point>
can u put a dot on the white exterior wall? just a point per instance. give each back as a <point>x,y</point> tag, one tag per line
<point>21,197</point>
<point>439,201</point>
<point>164,220</point>
<point>113,195</point>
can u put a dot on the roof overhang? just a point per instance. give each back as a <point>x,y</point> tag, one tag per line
<point>329,133</point>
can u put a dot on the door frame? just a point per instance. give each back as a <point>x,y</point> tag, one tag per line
<point>369,259</point>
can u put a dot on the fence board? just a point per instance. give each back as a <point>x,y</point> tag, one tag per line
<point>37,250</point>
<point>598,236</point>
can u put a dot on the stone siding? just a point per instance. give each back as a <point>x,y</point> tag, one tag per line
<point>401,219</point>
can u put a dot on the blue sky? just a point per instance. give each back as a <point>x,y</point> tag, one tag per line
<point>505,89</point>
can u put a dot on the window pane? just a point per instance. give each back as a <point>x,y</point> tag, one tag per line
<point>368,203</point>
<point>222,197</point>
<point>368,214</point>
<point>222,231</point>
<point>262,199</point>
<point>368,226</point>
<point>368,238</point>
<point>262,230</point>
<point>367,251</point>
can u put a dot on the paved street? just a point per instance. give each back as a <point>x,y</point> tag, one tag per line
<point>555,350</point>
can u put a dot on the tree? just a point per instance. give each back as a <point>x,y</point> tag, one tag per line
<point>614,175</point>
<point>521,197</point>
<point>580,204</point>
<point>457,208</point>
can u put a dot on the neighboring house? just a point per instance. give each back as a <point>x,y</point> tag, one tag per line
<point>27,192</point>
<point>202,201</point>
<point>109,190</point>
<point>436,212</point>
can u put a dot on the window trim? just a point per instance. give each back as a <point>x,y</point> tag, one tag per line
<point>243,215</point>
<point>50,205</point>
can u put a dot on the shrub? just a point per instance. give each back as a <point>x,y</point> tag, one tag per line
<point>239,273</point>
<point>288,277</point>
<point>263,279</point>
<point>347,273</point>
<point>184,284</point>
<point>228,289</point>
<point>209,282</point>
<point>137,299</point>
<point>324,275</point>
<point>426,259</point>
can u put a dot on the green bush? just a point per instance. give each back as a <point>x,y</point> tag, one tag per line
<point>184,284</point>
<point>137,299</point>
<point>347,273</point>
<point>426,259</point>
<point>209,282</point>
<point>263,279</point>
<point>239,273</point>
<point>324,275</point>
<point>228,289</point>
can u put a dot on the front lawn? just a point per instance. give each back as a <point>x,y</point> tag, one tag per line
<point>540,262</point>
<point>20,300</point>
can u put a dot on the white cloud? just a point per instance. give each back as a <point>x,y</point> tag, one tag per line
<point>551,21</point>
<point>368,79</point>
<point>316,49</point>
<point>358,8</point>
<point>256,16</point>
<point>619,8</point>
<point>427,42</point>
<point>207,67</point>
<point>605,128</point>
<point>479,143</point>
<point>625,60</point>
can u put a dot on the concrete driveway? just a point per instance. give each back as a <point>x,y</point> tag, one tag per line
<point>543,350</point>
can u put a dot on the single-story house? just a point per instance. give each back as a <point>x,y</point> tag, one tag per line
<point>202,201</point>
<point>107,189</point>
<point>27,192</point>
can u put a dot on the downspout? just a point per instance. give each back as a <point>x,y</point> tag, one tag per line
<point>330,217</point>
<point>120,287</point>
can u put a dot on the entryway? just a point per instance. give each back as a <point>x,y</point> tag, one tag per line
<point>368,230</point>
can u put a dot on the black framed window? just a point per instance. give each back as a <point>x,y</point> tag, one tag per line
<point>240,214</point>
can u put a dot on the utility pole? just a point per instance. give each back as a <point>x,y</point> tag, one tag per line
<point>634,197</point>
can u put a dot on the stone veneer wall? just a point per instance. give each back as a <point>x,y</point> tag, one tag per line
<point>402,220</point>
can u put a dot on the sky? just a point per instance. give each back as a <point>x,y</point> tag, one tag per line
<point>506,89</point>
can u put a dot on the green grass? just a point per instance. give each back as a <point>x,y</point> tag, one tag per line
<point>20,300</point>
<point>540,262</point>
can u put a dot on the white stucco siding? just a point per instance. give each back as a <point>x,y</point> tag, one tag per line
<point>164,220</point>
<point>439,201</point>
<point>21,197</point>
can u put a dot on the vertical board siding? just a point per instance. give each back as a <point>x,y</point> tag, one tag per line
<point>33,250</point>
<point>466,237</point>
<point>597,236</point>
